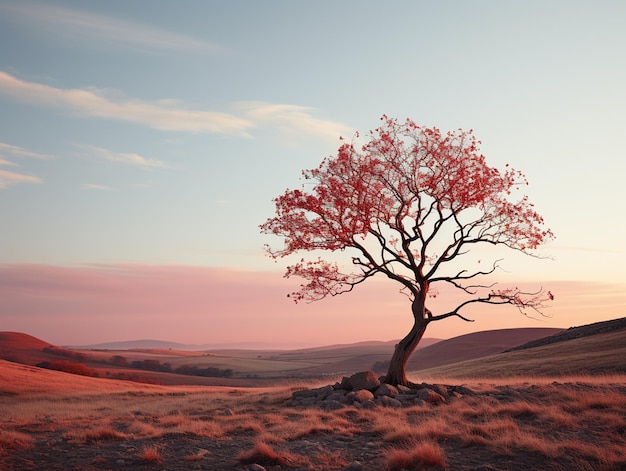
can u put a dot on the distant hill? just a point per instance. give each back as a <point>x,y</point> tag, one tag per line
<point>575,333</point>
<point>136,344</point>
<point>599,351</point>
<point>151,344</point>
<point>591,349</point>
<point>17,341</point>
<point>474,345</point>
<point>22,348</point>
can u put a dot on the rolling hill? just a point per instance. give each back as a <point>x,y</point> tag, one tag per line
<point>474,345</point>
<point>23,348</point>
<point>601,350</point>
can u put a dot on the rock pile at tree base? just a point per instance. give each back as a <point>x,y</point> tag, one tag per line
<point>365,390</point>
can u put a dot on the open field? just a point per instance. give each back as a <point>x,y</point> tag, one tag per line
<point>557,406</point>
<point>56,421</point>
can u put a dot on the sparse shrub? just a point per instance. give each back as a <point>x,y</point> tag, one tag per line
<point>403,433</point>
<point>152,365</point>
<point>68,367</point>
<point>420,455</point>
<point>119,360</point>
<point>211,372</point>
<point>263,454</point>
<point>65,353</point>
<point>151,454</point>
<point>105,433</point>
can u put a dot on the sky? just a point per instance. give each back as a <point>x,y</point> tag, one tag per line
<point>141,144</point>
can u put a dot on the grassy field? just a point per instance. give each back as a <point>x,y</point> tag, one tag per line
<point>561,406</point>
<point>51,420</point>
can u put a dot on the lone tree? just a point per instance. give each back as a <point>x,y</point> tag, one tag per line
<point>408,205</point>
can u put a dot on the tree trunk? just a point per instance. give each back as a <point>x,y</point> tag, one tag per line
<point>397,366</point>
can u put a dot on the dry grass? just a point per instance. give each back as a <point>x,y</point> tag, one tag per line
<point>151,454</point>
<point>95,434</point>
<point>264,454</point>
<point>11,441</point>
<point>547,423</point>
<point>420,455</point>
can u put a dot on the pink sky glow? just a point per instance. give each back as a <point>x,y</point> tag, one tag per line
<point>200,305</point>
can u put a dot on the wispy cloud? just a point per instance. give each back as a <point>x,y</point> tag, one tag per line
<point>83,27</point>
<point>293,121</point>
<point>8,179</point>
<point>3,161</point>
<point>129,158</point>
<point>166,115</point>
<point>20,151</point>
<point>95,186</point>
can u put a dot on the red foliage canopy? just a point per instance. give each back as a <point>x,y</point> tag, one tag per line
<point>406,203</point>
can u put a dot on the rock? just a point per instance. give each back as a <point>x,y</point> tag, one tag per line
<point>354,466</point>
<point>430,396</point>
<point>339,396</point>
<point>404,389</point>
<point>323,393</point>
<point>363,390</point>
<point>386,390</point>
<point>255,467</point>
<point>331,405</point>
<point>367,405</point>
<point>361,396</point>
<point>408,399</point>
<point>388,401</point>
<point>303,394</point>
<point>462,390</point>
<point>362,380</point>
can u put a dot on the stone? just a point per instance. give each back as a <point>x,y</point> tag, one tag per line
<point>331,405</point>
<point>388,401</point>
<point>323,393</point>
<point>303,393</point>
<point>354,466</point>
<point>308,401</point>
<point>360,396</point>
<point>405,389</point>
<point>367,405</point>
<point>462,390</point>
<point>407,399</point>
<point>430,396</point>
<point>339,396</point>
<point>386,390</point>
<point>255,467</point>
<point>363,380</point>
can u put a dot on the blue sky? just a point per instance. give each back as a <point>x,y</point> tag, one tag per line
<point>157,133</point>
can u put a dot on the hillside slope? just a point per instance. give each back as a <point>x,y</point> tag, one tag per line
<point>576,332</point>
<point>474,345</point>
<point>22,348</point>
<point>595,354</point>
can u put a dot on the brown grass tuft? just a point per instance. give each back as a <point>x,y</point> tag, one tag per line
<point>417,456</point>
<point>263,454</point>
<point>105,433</point>
<point>151,454</point>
